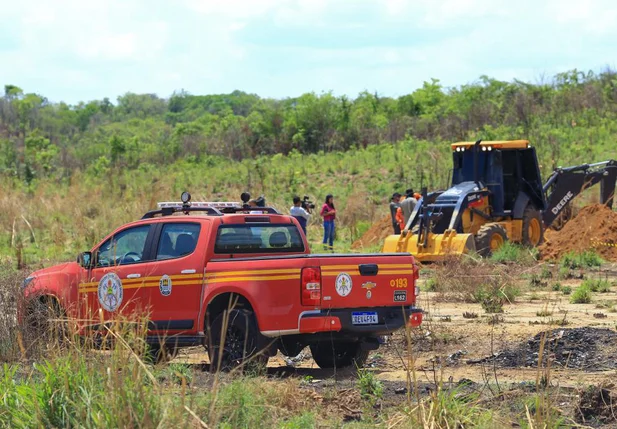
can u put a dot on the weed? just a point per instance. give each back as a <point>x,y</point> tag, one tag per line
<point>544,313</point>
<point>470,315</point>
<point>597,285</point>
<point>371,389</point>
<point>585,259</point>
<point>536,281</point>
<point>582,295</point>
<point>546,272</point>
<point>512,253</point>
<point>556,287</point>
<point>430,285</point>
<point>534,297</point>
<point>566,290</point>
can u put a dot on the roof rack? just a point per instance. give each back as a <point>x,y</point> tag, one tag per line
<point>211,208</point>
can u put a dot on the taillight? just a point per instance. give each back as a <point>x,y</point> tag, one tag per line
<point>311,286</point>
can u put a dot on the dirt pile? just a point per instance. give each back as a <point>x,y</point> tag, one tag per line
<point>592,228</point>
<point>590,349</point>
<point>376,234</point>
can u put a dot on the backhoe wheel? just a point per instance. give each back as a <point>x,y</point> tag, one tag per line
<point>328,354</point>
<point>490,238</point>
<point>533,232</point>
<point>235,340</point>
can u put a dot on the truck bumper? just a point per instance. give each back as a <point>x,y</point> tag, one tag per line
<point>389,320</point>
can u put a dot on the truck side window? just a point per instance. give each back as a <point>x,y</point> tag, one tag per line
<point>177,240</point>
<point>126,247</point>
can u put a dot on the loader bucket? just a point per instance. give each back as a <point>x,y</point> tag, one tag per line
<point>438,247</point>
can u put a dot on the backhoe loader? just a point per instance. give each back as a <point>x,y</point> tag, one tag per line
<point>496,195</point>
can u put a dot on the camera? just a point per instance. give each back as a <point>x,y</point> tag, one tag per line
<point>307,204</point>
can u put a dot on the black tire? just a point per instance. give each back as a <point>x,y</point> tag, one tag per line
<point>533,231</point>
<point>328,354</point>
<point>156,354</point>
<point>487,237</point>
<point>46,322</point>
<point>242,343</point>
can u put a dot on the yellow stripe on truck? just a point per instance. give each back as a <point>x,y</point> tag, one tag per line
<point>219,274</point>
<point>251,279</point>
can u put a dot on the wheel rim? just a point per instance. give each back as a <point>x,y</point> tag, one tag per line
<point>534,231</point>
<point>496,241</point>
<point>233,350</point>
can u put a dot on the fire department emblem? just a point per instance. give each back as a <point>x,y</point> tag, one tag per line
<point>110,292</point>
<point>368,286</point>
<point>165,285</point>
<point>343,284</point>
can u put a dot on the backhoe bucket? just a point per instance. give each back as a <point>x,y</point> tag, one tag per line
<point>438,246</point>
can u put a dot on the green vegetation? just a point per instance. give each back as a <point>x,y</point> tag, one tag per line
<point>586,259</point>
<point>581,295</point>
<point>371,389</point>
<point>492,297</point>
<point>512,253</point>
<point>597,285</point>
<point>76,172</point>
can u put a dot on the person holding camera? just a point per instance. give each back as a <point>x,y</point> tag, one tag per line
<point>301,211</point>
<point>328,213</point>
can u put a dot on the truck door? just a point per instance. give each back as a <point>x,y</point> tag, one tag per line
<point>116,279</point>
<point>175,281</point>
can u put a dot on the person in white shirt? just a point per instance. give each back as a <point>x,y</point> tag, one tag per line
<point>300,213</point>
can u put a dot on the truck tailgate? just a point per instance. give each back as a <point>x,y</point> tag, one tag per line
<point>382,280</point>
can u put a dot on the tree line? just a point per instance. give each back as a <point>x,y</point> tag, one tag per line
<point>39,138</point>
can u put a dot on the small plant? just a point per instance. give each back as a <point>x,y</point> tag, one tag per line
<point>470,315</point>
<point>431,285</point>
<point>492,297</point>
<point>544,313</point>
<point>546,272</point>
<point>582,295</point>
<point>586,259</point>
<point>597,285</point>
<point>556,287</point>
<point>371,389</point>
<point>512,253</point>
<point>566,290</point>
<point>536,281</point>
<point>564,273</point>
<point>534,297</point>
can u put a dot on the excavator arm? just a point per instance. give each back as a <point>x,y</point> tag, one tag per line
<point>566,183</point>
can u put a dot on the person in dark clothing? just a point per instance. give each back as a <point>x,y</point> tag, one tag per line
<point>301,215</point>
<point>394,205</point>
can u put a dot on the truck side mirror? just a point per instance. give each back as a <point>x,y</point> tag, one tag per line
<point>84,259</point>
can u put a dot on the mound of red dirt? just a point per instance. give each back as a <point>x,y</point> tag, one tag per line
<point>594,227</point>
<point>376,234</point>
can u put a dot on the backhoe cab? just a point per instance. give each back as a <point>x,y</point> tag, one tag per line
<point>496,195</point>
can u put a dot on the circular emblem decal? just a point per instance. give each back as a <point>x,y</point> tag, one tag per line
<point>110,292</point>
<point>165,285</point>
<point>343,284</point>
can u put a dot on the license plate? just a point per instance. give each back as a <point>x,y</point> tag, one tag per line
<point>400,295</point>
<point>364,318</point>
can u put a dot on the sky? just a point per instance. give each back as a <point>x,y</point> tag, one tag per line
<point>81,50</point>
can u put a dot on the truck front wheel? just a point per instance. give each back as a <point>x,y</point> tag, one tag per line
<point>328,354</point>
<point>234,340</point>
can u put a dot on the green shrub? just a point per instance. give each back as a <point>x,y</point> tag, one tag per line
<point>582,295</point>
<point>566,290</point>
<point>597,285</point>
<point>371,389</point>
<point>493,297</point>
<point>556,287</point>
<point>585,259</point>
<point>430,285</point>
<point>512,253</point>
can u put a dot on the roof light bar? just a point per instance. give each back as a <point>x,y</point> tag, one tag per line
<point>210,204</point>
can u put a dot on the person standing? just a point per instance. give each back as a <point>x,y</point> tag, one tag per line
<point>394,205</point>
<point>328,213</point>
<point>407,206</point>
<point>300,213</point>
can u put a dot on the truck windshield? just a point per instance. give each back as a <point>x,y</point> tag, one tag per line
<point>260,238</point>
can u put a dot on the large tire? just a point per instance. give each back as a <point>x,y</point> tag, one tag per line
<point>533,231</point>
<point>329,354</point>
<point>242,343</point>
<point>46,321</point>
<point>490,237</point>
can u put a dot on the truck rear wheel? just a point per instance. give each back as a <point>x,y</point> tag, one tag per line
<point>235,340</point>
<point>490,238</point>
<point>328,354</point>
<point>533,233</point>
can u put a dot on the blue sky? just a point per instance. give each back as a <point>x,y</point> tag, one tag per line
<point>73,50</point>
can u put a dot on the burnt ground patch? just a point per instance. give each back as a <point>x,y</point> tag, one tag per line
<point>588,349</point>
